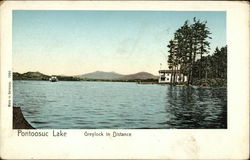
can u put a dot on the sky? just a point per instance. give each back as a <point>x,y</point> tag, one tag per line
<point>70,42</point>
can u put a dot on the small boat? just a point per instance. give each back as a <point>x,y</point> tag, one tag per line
<point>53,79</point>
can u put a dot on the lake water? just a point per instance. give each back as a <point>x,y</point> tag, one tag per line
<point>104,105</point>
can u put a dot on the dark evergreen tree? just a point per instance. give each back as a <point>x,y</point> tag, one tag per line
<point>189,40</point>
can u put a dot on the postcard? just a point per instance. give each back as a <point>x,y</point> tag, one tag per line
<point>124,80</point>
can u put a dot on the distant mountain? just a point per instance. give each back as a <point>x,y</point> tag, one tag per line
<point>101,75</point>
<point>138,76</point>
<point>98,75</point>
<point>30,76</point>
<point>40,76</point>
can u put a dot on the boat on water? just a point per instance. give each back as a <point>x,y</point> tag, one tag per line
<point>53,79</point>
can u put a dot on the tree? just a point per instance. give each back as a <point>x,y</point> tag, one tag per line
<point>213,66</point>
<point>172,62</point>
<point>189,41</point>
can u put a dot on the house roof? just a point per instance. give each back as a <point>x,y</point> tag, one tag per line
<point>169,71</point>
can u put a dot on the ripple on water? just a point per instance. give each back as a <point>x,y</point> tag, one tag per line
<point>93,105</point>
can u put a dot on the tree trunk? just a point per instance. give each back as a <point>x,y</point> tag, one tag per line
<point>206,76</point>
<point>175,75</point>
<point>171,78</point>
<point>200,67</point>
<point>190,69</point>
<point>193,60</point>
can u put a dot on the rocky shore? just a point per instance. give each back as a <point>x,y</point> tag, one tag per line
<point>19,121</point>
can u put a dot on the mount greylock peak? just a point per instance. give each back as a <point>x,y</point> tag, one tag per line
<point>117,76</point>
<point>100,75</point>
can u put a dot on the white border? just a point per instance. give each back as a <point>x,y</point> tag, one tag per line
<point>228,143</point>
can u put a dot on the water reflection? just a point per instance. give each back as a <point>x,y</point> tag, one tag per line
<point>193,107</point>
<point>103,105</point>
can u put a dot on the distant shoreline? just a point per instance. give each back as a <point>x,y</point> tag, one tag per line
<point>96,80</point>
<point>140,78</point>
<point>95,76</point>
<point>216,85</point>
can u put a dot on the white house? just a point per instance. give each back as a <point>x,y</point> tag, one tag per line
<point>165,76</point>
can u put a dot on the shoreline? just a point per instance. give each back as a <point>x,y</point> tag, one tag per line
<point>138,82</point>
<point>19,122</point>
